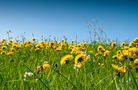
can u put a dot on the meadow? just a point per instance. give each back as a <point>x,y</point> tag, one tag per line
<point>68,65</point>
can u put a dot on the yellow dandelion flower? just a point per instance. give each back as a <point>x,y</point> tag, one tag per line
<point>46,66</point>
<point>12,49</point>
<point>76,50</point>
<point>120,57</point>
<point>3,52</point>
<point>114,57</point>
<point>10,42</point>
<point>115,66</point>
<point>16,46</point>
<point>123,44</point>
<point>119,69</point>
<point>59,48</point>
<point>113,44</point>
<point>27,42</point>
<point>4,47</point>
<point>80,59</point>
<point>136,40</point>
<point>51,44</point>
<point>126,47</point>
<point>66,59</point>
<point>98,54</point>
<point>39,69</point>
<point>131,44</point>
<point>3,40</point>
<point>10,53</point>
<point>70,47</point>
<point>27,45</point>
<point>100,49</point>
<point>119,52</point>
<point>133,52</point>
<point>125,53</point>
<point>37,49</point>
<point>136,61</point>
<point>106,53</point>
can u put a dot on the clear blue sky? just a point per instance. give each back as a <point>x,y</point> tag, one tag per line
<point>118,18</point>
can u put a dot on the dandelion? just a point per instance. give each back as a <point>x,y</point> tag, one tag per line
<point>43,67</point>
<point>10,53</point>
<point>125,53</point>
<point>136,61</point>
<point>113,44</point>
<point>4,47</point>
<point>136,40</point>
<point>76,50</point>
<point>12,49</point>
<point>119,69</point>
<point>3,40</point>
<point>119,52</point>
<point>16,46</point>
<point>131,44</point>
<point>27,43</point>
<point>100,49</point>
<point>46,66</point>
<point>81,58</point>
<point>114,57</point>
<point>66,59</point>
<point>59,48</point>
<point>51,44</point>
<point>3,52</point>
<point>39,69</point>
<point>106,53</point>
<point>120,57</point>
<point>134,65</point>
<point>97,54</point>
<point>132,52</point>
<point>123,44</point>
<point>37,49</point>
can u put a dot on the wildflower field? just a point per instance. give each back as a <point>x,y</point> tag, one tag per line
<point>68,65</point>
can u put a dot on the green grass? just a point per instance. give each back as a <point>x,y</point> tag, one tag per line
<point>96,74</point>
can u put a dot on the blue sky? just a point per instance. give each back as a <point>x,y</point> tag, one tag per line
<point>118,18</point>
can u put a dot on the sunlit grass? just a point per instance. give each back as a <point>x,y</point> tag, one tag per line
<point>60,65</point>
